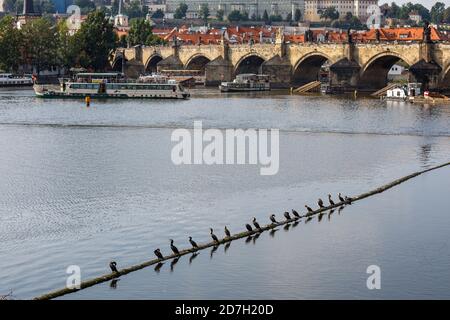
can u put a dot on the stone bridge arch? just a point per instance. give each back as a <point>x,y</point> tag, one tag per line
<point>249,63</point>
<point>445,78</point>
<point>307,68</point>
<point>117,62</point>
<point>152,63</point>
<point>197,62</point>
<point>374,73</point>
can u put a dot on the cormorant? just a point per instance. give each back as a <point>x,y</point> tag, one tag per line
<point>158,254</point>
<point>320,203</point>
<point>113,266</point>
<point>249,227</point>
<point>193,243</point>
<point>213,236</point>
<point>295,213</point>
<point>330,200</point>
<point>348,199</point>
<point>340,197</point>
<point>256,224</point>
<point>272,218</point>
<point>287,216</point>
<point>309,209</point>
<point>174,249</point>
<point>227,232</point>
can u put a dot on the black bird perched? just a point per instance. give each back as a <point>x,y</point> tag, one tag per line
<point>256,224</point>
<point>309,209</point>
<point>320,203</point>
<point>295,213</point>
<point>331,201</point>
<point>158,254</point>
<point>340,197</point>
<point>287,216</point>
<point>249,227</point>
<point>227,232</point>
<point>174,249</point>
<point>347,199</point>
<point>113,266</point>
<point>272,218</point>
<point>193,243</point>
<point>213,236</point>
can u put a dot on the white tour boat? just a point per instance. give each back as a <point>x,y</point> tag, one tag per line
<point>10,80</point>
<point>112,85</point>
<point>247,82</point>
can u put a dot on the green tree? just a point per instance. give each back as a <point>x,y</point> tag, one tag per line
<point>10,44</point>
<point>40,43</point>
<point>329,13</point>
<point>394,11</point>
<point>158,14</point>
<point>265,17</point>
<point>180,12</point>
<point>204,12</point>
<point>446,15</point>
<point>235,15</point>
<point>95,41</point>
<point>141,33</point>
<point>65,49</point>
<point>219,14</point>
<point>297,15</point>
<point>134,10</point>
<point>289,17</point>
<point>437,12</point>
<point>276,18</point>
<point>86,6</point>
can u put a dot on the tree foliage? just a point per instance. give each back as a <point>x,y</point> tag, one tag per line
<point>94,42</point>
<point>141,33</point>
<point>40,43</point>
<point>297,15</point>
<point>236,15</point>
<point>329,13</point>
<point>180,12</point>
<point>204,12</point>
<point>437,12</point>
<point>10,44</point>
<point>158,14</point>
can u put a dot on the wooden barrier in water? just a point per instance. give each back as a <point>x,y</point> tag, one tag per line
<point>121,272</point>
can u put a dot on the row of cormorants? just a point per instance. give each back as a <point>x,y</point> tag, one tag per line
<point>296,216</point>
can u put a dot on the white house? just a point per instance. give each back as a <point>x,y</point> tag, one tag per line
<point>396,70</point>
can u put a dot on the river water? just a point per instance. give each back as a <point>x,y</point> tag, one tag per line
<point>84,186</point>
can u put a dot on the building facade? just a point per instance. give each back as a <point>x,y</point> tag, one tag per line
<point>358,8</point>
<point>252,7</point>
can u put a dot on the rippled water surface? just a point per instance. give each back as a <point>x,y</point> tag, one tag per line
<point>84,186</point>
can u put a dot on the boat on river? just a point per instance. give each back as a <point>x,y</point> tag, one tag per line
<point>247,82</point>
<point>112,85</point>
<point>11,80</point>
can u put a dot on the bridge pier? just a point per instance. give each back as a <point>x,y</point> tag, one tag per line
<point>280,71</point>
<point>218,70</point>
<point>426,73</point>
<point>344,75</point>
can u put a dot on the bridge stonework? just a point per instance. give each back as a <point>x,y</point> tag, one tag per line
<point>360,65</point>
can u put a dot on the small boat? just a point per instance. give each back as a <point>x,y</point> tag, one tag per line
<point>402,91</point>
<point>247,82</point>
<point>11,80</point>
<point>112,85</point>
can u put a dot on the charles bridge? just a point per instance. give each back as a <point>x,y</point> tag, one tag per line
<point>362,66</point>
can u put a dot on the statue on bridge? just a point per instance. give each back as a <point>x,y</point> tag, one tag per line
<point>426,32</point>
<point>309,36</point>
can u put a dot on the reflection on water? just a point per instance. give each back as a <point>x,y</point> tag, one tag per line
<point>88,186</point>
